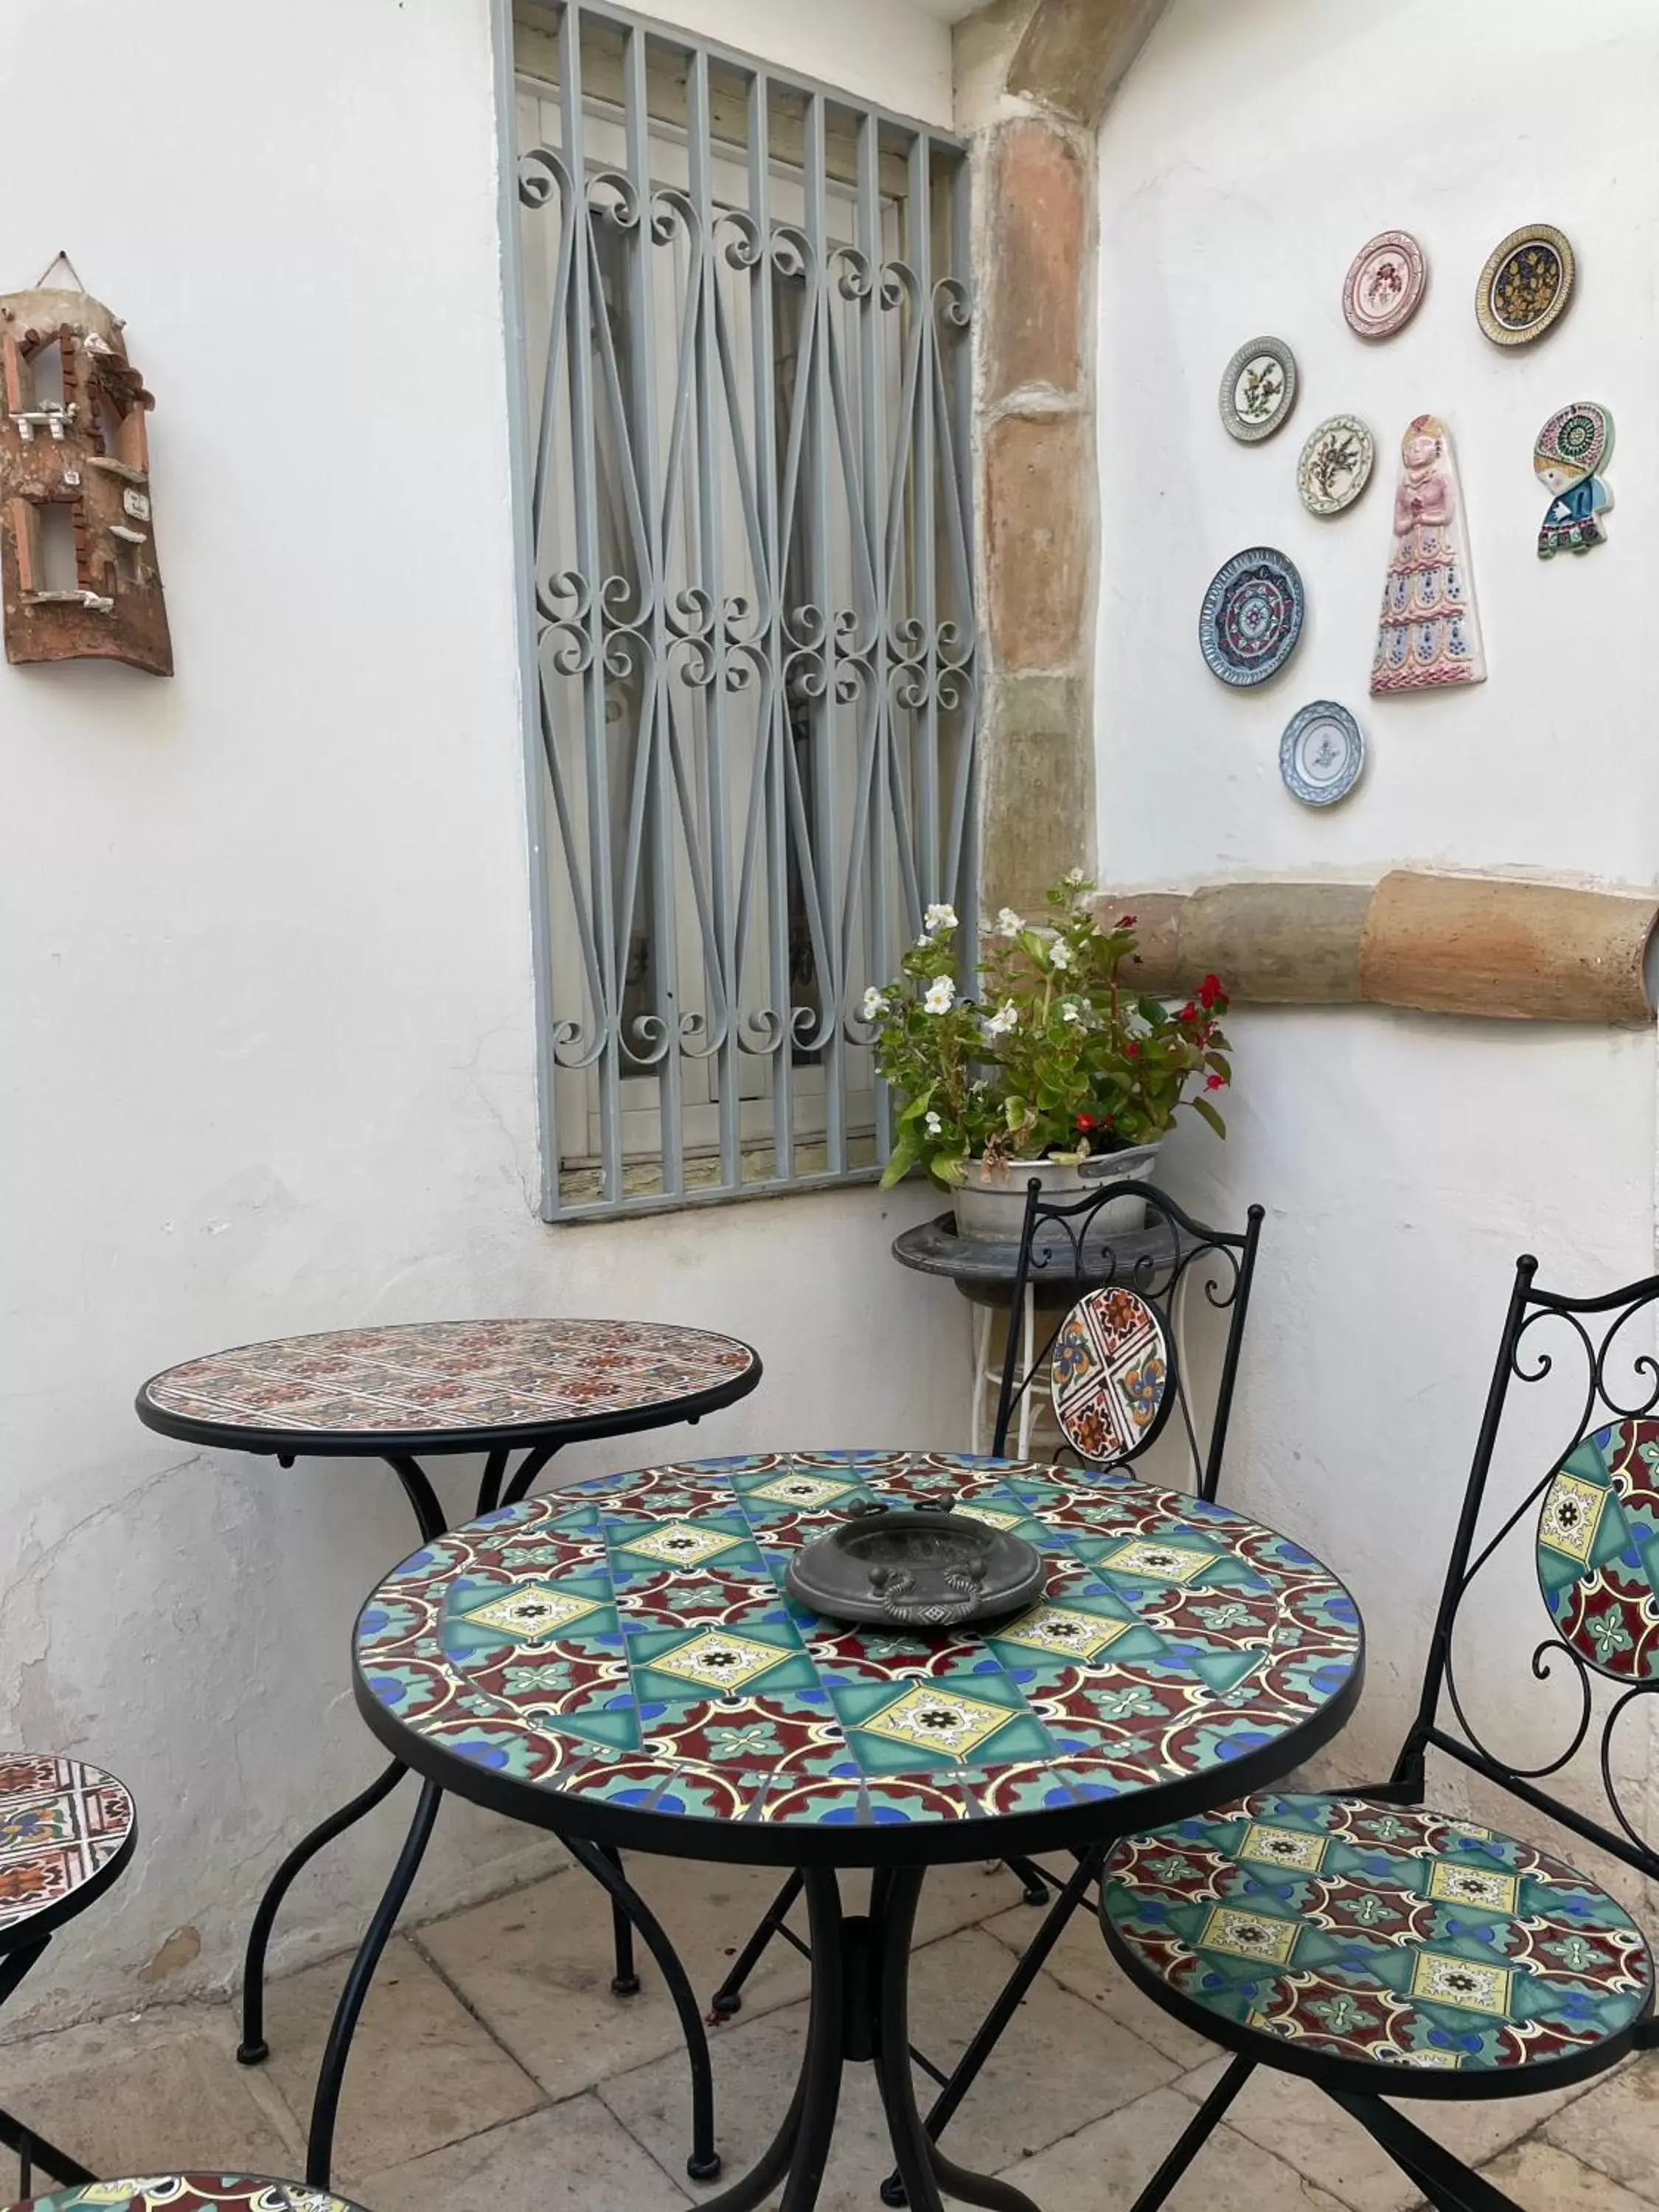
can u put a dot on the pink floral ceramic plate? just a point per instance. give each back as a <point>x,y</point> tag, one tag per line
<point>1385,284</point>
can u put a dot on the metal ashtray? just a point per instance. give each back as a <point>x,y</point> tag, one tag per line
<point>923,1569</point>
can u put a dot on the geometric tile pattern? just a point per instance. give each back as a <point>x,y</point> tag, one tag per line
<point>193,2192</point>
<point>1598,1550</point>
<point>1171,1635</point>
<point>1110,1372</point>
<point>60,1822</point>
<point>1368,1932</point>
<point>449,1374</point>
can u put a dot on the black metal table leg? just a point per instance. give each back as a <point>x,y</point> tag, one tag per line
<point>32,2148</point>
<point>859,2011</point>
<point>728,1998</point>
<point>605,1867</point>
<point>325,2104</point>
<point>254,2048</point>
<point>1010,1997</point>
<point>625,1980</point>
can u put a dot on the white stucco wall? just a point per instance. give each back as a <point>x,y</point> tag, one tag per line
<point>1405,1160</point>
<point>265,997</point>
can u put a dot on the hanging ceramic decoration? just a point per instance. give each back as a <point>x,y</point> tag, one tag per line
<point>1573,447</point>
<point>1525,286</point>
<point>1258,389</point>
<point>1321,753</point>
<point>1385,284</point>
<point>1429,635</point>
<point>1335,466</point>
<point>1251,616</point>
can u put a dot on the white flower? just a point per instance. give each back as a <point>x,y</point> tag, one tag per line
<point>941,996</point>
<point>1006,1017</point>
<point>938,918</point>
<point>1075,876</point>
<point>1060,953</point>
<point>1071,1012</point>
<point>1008,923</point>
<point>875,1006</point>
<point>934,1125</point>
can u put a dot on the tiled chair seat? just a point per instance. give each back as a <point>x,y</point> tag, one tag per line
<point>66,1831</point>
<point>1346,1929</point>
<point>190,2192</point>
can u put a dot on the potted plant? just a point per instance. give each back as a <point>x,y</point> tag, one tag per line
<point>1058,1059</point>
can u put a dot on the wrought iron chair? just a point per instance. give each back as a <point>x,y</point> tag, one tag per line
<point>1380,1949</point>
<point>1119,1378</point>
<point>66,1833</point>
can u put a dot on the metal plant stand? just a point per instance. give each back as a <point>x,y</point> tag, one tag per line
<point>401,1394</point>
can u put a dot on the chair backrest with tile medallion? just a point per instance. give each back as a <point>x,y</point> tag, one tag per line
<point>1595,1536</point>
<point>1118,1356</point>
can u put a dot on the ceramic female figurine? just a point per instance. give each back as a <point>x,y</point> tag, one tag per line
<point>1573,445</point>
<point>1430,634</point>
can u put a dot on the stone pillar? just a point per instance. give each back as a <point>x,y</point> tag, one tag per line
<point>1032,79</point>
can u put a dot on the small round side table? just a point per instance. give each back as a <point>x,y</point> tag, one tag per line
<point>403,1393</point>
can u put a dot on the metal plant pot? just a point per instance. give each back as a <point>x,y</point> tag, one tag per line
<point>991,1209</point>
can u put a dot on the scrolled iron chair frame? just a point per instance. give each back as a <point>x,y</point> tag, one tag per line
<point>1157,1272</point>
<point>1351,2083</point>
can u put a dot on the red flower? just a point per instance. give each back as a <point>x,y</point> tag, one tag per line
<point>1188,1013</point>
<point>1126,922</point>
<point>1209,991</point>
<point>1085,1120</point>
<point>1215,1082</point>
<point>1132,1052</point>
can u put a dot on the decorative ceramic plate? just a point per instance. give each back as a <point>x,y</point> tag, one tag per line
<point>1321,753</point>
<point>1110,1377</point>
<point>1251,617</point>
<point>915,1570</point>
<point>1258,389</point>
<point>1335,466</point>
<point>1385,284</point>
<point>1525,286</point>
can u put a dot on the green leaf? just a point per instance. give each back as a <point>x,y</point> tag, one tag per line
<point>900,1161</point>
<point>1202,1106</point>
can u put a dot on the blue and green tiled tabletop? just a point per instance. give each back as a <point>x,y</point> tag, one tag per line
<point>625,1648</point>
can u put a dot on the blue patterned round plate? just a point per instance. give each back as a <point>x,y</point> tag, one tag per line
<point>1251,616</point>
<point>1321,753</point>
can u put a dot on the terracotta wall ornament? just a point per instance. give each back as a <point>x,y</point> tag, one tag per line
<point>1573,447</point>
<point>78,570</point>
<point>1429,635</point>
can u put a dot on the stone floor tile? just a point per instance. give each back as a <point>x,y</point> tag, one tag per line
<point>756,2062</point>
<point>1062,2064</point>
<point>146,2094</point>
<point>1081,1963</point>
<point>1111,2161</point>
<point>1293,2119</point>
<point>1614,2126</point>
<point>536,1965</point>
<point>1545,2180</point>
<point>423,2072</point>
<point>574,2158</point>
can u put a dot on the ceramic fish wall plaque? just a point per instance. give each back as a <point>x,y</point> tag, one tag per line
<point>1429,635</point>
<point>78,572</point>
<point>1572,448</point>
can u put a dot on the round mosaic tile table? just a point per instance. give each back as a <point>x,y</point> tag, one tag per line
<point>403,1393</point>
<point>190,2192</point>
<point>618,1661</point>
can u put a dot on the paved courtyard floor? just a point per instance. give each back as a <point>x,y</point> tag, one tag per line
<point>495,2067</point>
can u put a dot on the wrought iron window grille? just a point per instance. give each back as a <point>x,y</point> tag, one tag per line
<point>746,530</point>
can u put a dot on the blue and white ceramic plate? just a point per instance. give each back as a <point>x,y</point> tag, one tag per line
<point>1321,753</point>
<point>1251,617</point>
